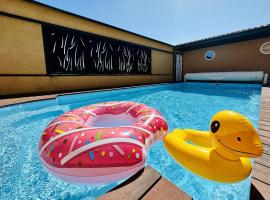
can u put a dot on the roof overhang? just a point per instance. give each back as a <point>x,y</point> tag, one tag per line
<point>249,34</point>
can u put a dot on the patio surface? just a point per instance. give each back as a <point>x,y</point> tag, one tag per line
<point>261,169</point>
<point>146,184</point>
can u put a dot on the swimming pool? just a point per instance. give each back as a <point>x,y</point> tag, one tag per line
<point>184,105</point>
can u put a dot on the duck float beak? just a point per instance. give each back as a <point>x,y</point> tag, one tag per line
<point>245,144</point>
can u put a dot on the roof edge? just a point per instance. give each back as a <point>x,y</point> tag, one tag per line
<point>95,21</point>
<point>239,36</point>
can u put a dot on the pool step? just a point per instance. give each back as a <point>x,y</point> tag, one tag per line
<point>146,184</point>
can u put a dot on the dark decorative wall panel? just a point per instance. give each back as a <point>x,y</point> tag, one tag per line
<point>74,52</point>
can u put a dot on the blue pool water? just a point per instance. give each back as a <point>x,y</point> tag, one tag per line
<point>184,105</point>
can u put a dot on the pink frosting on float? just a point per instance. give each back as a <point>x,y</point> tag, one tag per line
<point>87,138</point>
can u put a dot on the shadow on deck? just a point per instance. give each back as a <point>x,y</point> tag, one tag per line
<point>146,184</point>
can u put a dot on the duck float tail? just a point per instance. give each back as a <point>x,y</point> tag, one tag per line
<point>221,154</point>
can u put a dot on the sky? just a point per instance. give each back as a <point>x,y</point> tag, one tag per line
<point>172,21</point>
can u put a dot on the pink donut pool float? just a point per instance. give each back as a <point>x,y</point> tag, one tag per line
<point>101,143</point>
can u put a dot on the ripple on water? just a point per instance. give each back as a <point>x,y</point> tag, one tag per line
<point>183,105</point>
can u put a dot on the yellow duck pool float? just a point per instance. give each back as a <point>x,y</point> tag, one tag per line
<point>221,154</point>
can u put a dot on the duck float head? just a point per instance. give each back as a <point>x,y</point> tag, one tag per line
<point>234,134</point>
<point>220,154</point>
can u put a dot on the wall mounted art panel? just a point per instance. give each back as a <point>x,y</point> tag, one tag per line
<point>69,51</point>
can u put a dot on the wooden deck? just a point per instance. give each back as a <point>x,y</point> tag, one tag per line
<point>261,169</point>
<point>146,184</point>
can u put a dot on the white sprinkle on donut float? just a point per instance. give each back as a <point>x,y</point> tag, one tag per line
<point>101,143</point>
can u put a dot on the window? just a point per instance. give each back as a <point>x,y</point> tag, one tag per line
<point>265,48</point>
<point>209,55</point>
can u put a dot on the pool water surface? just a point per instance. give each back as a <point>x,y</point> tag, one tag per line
<point>184,105</point>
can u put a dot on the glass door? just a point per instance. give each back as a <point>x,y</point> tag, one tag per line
<point>178,67</point>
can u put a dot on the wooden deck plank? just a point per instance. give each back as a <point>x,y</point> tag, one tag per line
<point>265,140</point>
<point>266,149</point>
<point>164,189</point>
<point>265,114</point>
<point>259,190</point>
<point>264,127</point>
<point>261,173</point>
<point>263,160</point>
<point>264,133</point>
<point>265,100</point>
<point>263,120</point>
<point>146,184</point>
<point>264,117</point>
<point>134,189</point>
<point>265,105</point>
<point>265,108</point>
<point>264,123</point>
<point>261,169</point>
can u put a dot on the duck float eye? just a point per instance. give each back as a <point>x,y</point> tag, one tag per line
<point>239,139</point>
<point>215,126</point>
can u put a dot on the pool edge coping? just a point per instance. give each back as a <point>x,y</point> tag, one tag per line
<point>29,98</point>
<point>34,98</point>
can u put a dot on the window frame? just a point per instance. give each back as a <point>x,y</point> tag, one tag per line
<point>261,48</point>
<point>205,56</point>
